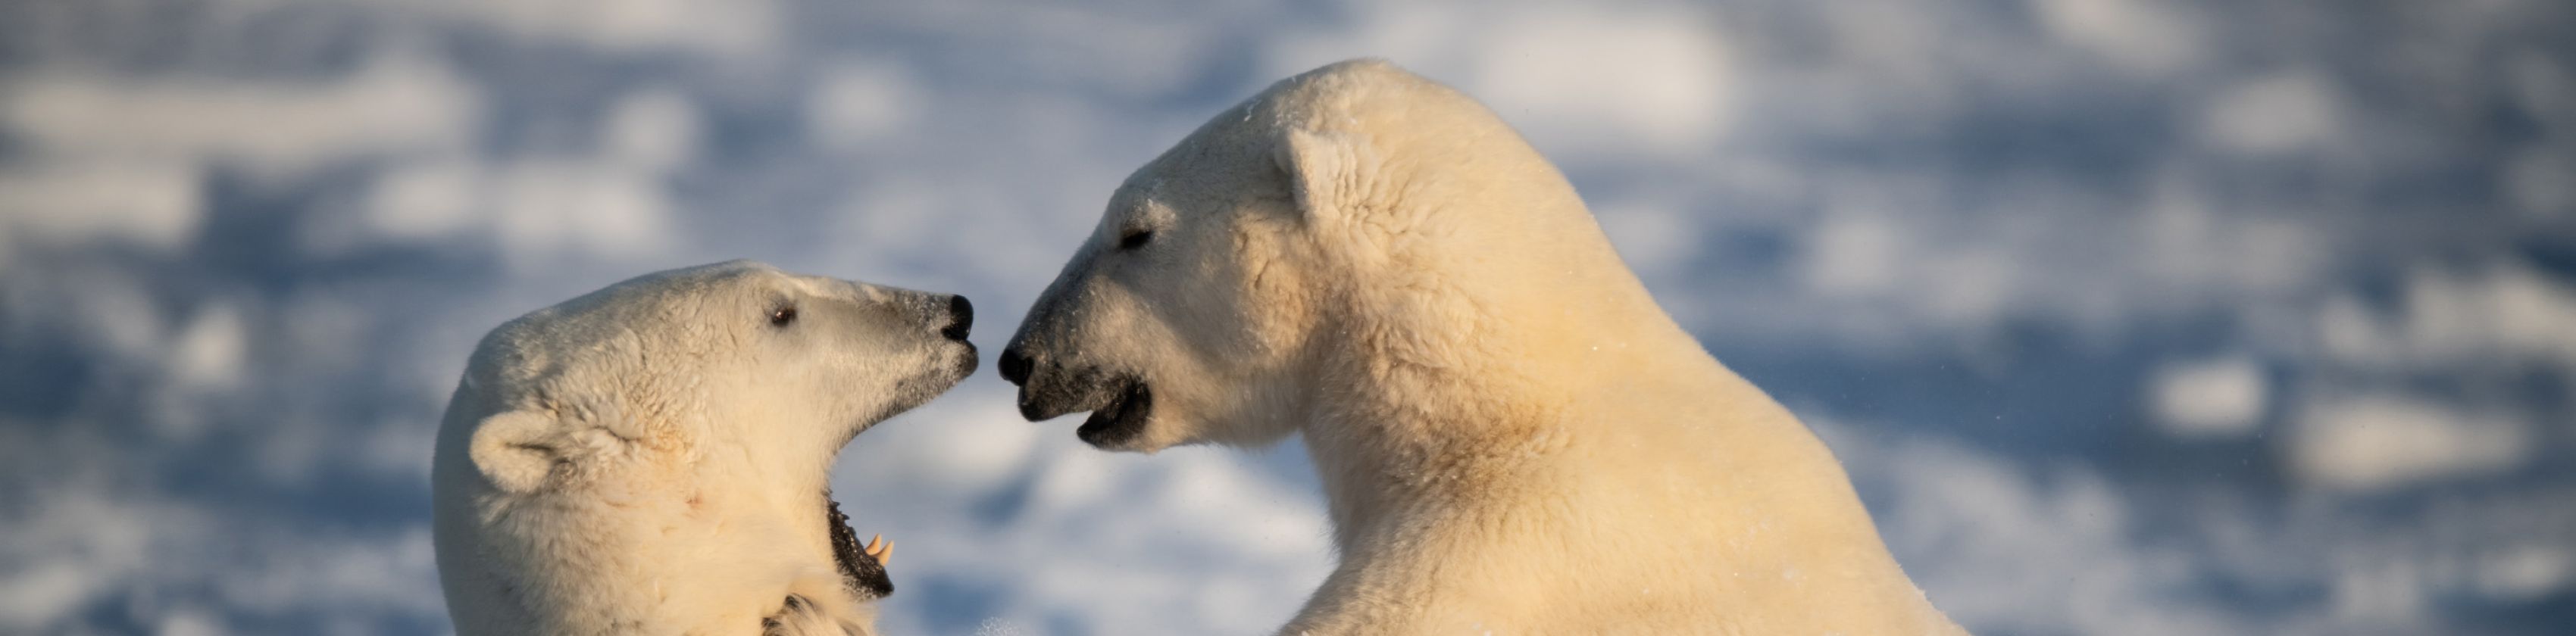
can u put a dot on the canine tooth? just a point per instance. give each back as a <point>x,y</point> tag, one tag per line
<point>880,549</point>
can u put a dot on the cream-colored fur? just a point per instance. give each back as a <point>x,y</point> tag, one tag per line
<point>651,458</point>
<point>1513,437</point>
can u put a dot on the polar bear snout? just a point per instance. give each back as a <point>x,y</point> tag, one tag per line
<point>961,318</point>
<point>1016,366</point>
<point>1048,389</point>
<point>951,317</point>
<point>1119,403</point>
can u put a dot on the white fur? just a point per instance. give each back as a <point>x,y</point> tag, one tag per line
<point>1513,437</point>
<point>651,458</point>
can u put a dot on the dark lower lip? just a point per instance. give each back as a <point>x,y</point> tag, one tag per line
<point>1121,420</point>
<point>973,358</point>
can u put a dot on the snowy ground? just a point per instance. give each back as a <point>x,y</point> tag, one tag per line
<point>2128,317</point>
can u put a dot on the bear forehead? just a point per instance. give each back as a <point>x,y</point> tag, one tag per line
<point>653,297</point>
<point>1355,94</point>
<point>1369,96</point>
<point>1347,94</point>
<point>652,310</point>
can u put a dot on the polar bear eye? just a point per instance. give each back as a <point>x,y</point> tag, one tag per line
<point>782,315</point>
<point>1135,239</point>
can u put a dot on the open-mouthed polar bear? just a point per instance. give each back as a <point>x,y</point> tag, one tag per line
<point>1511,434</point>
<point>651,458</point>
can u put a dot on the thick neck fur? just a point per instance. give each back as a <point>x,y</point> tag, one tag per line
<point>1448,399</point>
<point>755,533</point>
<point>757,523</point>
<point>1463,461</point>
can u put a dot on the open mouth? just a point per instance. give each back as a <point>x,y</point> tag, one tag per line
<point>1119,421</point>
<point>862,566</point>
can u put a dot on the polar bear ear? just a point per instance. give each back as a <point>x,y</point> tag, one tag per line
<point>516,450</point>
<point>1321,167</point>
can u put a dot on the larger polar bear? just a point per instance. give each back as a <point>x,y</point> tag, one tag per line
<point>1512,436</point>
<point>651,458</point>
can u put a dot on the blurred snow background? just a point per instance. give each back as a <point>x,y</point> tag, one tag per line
<point>2128,317</point>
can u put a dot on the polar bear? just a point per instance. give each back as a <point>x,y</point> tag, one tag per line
<point>1512,436</point>
<point>651,458</point>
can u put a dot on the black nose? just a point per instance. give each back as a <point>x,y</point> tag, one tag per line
<point>1016,366</point>
<point>961,317</point>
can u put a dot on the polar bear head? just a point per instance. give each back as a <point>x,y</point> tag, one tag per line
<point>675,431</point>
<point>1344,226</point>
